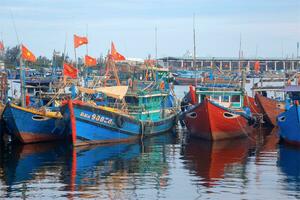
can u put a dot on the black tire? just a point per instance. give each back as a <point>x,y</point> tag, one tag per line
<point>119,121</point>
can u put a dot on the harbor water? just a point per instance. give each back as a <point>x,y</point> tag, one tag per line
<point>164,167</point>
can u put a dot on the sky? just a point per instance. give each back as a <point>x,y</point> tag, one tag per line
<point>268,28</point>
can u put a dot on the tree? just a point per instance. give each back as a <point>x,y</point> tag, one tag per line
<point>11,56</point>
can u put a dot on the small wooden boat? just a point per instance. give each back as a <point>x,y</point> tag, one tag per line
<point>289,121</point>
<point>218,114</point>
<point>270,108</point>
<point>30,125</point>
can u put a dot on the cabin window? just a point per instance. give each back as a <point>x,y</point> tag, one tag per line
<point>225,99</point>
<point>215,97</point>
<point>235,98</point>
<point>202,97</point>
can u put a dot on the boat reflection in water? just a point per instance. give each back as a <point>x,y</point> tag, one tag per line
<point>116,171</point>
<point>289,164</point>
<point>23,162</point>
<point>212,160</point>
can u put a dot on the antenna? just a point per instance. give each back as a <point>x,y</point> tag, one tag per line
<point>240,52</point>
<point>65,47</point>
<point>87,48</point>
<point>14,25</point>
<point>297,49</point>
<point>155,46</point>
<point>194,40</point>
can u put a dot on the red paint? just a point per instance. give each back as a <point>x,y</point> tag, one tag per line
<point>73,121</point>
<point>73,172</point>
<point>269,107</point>
<point>216,157</point>
<point>250,102</point>
<point>193,95</point>
<point>211,124</point>
<point>26,137</point>
<point>27,100</point>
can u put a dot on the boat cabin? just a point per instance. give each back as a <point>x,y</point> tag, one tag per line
<point>226,97</point>
<point>293,92</point>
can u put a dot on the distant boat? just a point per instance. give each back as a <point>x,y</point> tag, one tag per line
<point>289,121</point>
<point>217,113</point>
<point>29,125</point>
<point>270,108</point>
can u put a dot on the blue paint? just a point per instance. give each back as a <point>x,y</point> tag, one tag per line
<point>289,125</point>
<point>100,126</point>
<point>19,121</point>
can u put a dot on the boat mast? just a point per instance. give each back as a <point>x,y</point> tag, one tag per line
<point>240,52</point>
<point>194,53</point>
<point>22,81</point>
<point>155,46</point>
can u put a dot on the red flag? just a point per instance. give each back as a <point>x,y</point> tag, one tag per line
<point>90,61</point>
<point>114,54</point>
<point>1,46</point>
<point>27,55</point>
<point>257,67</point>
<point>70,71</point>
<point>78,41</point>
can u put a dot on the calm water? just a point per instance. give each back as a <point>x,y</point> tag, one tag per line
<point>163,167</point>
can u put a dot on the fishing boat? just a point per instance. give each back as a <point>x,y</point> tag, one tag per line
<point>217,113</point>
<point>29,125</point>
<point>188,77</point>
<point>270,108</point>
<point>3,99</point>
<point>118,113</point>
<point>103,123</point>
<point>288,121</point>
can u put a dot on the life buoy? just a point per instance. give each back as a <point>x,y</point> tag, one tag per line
<point>119,121</point>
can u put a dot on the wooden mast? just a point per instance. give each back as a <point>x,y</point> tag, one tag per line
<point>22,80</point>
<point>194,54</point>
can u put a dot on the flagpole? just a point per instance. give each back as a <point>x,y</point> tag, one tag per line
<point>87,48</point>
<point>22,81</point>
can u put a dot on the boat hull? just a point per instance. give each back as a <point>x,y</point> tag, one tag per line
<point>251,103</point>
<point>289,125</point>
<point>212,122</point>
<point>186,81</point>
<point>270,108</point>
<point>30,127</point>
<point>90,125</point>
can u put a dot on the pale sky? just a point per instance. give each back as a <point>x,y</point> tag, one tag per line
<point>270,26</point>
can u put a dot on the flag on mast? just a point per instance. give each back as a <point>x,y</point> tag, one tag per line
<point>78,41</point>
<point>114,54</point>
<point>27,54</point>
<point>69,70</point>
<point>90,61</point>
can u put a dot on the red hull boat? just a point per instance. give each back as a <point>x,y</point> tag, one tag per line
<point>250,103</point>
<point>210,121</point>
<point>270,108</point>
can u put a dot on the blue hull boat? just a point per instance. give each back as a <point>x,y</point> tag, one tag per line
<point>30,125</point>
<point>98,124</point>
<point>289,125</point>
